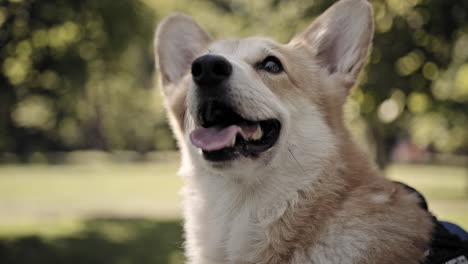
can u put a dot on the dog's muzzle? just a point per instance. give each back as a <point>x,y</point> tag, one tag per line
<point>223,134</point>
<point>226,135</point>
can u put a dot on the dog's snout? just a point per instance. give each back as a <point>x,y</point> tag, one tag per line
<point>211,69</point>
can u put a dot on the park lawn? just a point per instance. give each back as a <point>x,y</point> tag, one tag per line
<point>444,187</point>
<point>130,212</point>
<point>51,200</point>
<point>54,200</point>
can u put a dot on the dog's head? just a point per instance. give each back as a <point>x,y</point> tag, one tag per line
<point>236,104</point>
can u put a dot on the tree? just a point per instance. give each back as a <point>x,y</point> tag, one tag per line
<point>76,74</point>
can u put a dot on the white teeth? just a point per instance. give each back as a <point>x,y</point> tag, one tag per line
<point>258,134</point>
<point>233,143</point>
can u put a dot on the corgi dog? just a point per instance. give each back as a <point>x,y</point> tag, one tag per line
<point>271,173</point>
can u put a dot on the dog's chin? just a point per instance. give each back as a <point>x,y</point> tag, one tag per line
<point>224,136</point>
<point>240,167</point>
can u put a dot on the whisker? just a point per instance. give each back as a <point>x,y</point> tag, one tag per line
<point>300,166</point>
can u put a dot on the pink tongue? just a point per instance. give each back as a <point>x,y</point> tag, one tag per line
<point>210,139</point>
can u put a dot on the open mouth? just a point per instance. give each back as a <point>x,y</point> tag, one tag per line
<point>225,135</point>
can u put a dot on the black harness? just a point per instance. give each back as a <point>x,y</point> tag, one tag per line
<point>446,248</point>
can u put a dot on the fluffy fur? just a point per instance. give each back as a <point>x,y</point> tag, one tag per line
<point>314,197</point>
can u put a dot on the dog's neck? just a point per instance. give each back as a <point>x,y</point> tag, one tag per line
<point>288,196</point>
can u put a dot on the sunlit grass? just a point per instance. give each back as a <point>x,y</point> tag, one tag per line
<point>55,200</point>
<point>44,227</point>
<point>52,200</point>
<point>435,182</point>
<point>445,188</point>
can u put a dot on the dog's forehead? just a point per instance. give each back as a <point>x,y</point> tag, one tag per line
<point>248,49</point>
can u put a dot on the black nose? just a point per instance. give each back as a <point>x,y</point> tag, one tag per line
<point>211,69</point>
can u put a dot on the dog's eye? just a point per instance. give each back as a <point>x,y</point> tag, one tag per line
<point>271,64</point>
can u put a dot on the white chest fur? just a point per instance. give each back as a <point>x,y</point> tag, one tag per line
<point>225,225</point>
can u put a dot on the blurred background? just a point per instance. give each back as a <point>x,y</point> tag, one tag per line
<point>87,161</point>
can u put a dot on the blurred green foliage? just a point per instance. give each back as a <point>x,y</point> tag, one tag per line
<point>78,75</point>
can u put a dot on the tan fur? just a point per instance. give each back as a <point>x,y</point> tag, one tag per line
<point>314,197</point>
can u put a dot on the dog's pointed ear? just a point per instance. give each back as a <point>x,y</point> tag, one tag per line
<point>340,38</point>
<point>178,40</point>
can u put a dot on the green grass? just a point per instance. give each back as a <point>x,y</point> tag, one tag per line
<point>50,200</point>
<point>445,188</point>
<point>91,214</point>
<point>434,181</point>
<point>102,241</point>
<point>105,212</point>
